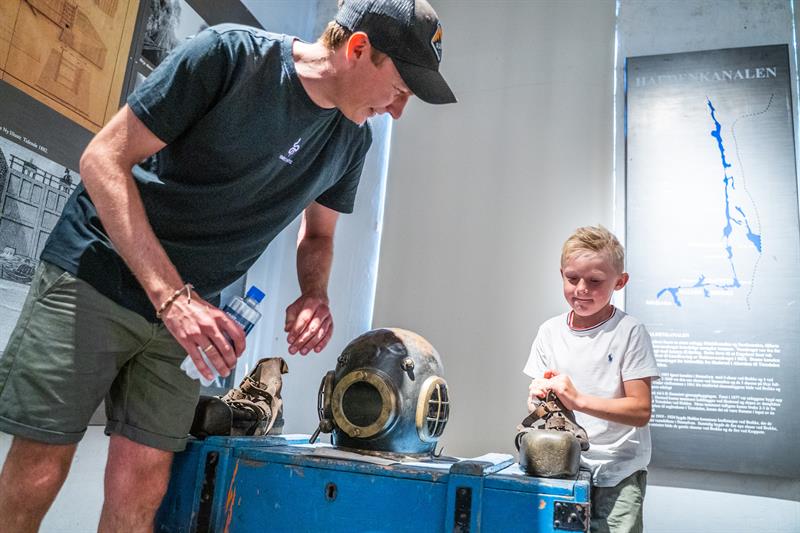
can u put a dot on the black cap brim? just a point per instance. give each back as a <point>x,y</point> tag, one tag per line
<point>425,83</point>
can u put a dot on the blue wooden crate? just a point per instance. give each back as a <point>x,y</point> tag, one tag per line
<point>277,484</point>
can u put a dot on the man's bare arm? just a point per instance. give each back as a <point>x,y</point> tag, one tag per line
<point>106,173</point>
<point>309,323</point>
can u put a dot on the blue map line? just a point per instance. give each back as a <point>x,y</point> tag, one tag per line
<point>728,228</point>
<point>747,192</point>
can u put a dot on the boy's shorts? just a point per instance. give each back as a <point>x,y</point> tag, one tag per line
<point>71,347</point>
<point>618,509</point>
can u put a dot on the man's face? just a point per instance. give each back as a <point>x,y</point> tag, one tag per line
<point>374,90</point>
<point>590,280</point>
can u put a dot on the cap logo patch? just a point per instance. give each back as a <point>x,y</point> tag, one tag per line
<point>436,41</point>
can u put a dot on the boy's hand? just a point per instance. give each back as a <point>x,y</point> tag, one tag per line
<point>536,391</point>
<point>565,390</point>
<point>538,388</point>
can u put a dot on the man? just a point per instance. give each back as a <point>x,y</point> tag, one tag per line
<point>66,181</point>
<point>234,135</point>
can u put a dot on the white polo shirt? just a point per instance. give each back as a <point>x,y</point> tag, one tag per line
<point>598,360</point>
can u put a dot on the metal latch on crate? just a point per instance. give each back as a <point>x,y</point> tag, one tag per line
<point>570,516</point>
<point>463,508</point>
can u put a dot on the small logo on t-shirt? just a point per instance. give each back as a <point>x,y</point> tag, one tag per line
<point>290,153</point>
<point>610,358</point>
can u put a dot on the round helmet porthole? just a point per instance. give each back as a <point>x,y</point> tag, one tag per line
<point>363,403</point>
<point>433,409</point>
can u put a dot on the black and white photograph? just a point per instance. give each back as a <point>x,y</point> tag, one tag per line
<point>168,23</point>
<point>33,191</point>
<point>39,154</point>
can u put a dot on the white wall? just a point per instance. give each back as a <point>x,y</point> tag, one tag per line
<point>481,195</point>
<point>293,17</point>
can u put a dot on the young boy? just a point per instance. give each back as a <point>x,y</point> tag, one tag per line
<point>600,362</point>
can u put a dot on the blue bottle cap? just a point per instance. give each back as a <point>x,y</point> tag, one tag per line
<point>255,293</point>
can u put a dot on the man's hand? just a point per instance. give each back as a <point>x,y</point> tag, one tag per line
<point>200,325</point>
<point>309,324</point>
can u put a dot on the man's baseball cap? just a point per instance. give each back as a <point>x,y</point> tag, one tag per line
<point>409,32</point>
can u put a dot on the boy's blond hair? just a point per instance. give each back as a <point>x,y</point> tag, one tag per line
<point>594,239</point>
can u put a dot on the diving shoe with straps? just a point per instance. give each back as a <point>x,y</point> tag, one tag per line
<point>253,408</point>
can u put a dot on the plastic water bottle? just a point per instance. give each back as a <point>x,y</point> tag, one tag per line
<point>244,312</point>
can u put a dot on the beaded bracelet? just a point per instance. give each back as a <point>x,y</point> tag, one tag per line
<point>169,301</point>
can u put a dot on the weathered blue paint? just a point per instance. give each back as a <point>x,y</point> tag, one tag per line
<point>274,484</point>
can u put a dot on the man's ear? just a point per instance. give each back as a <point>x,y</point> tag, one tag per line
<point>622,281</point>
<point>357,45</point>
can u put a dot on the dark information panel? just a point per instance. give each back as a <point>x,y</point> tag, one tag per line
<point>713,247</point>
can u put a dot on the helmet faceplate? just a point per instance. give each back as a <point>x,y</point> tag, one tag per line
<point>386,394</point>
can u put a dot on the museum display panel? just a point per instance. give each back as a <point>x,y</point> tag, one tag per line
<point>712,237</point>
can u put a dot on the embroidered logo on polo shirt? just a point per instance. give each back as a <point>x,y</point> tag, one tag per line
<point>610,358</point>
<point>290,153</point>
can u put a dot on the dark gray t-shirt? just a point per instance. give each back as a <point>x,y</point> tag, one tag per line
<point>247,150</point>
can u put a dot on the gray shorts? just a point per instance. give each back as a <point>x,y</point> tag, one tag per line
<point>619,509</point>
<point>72,347</point>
